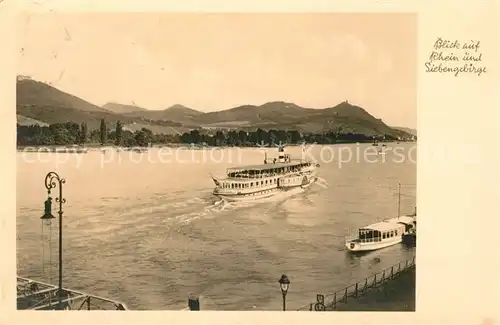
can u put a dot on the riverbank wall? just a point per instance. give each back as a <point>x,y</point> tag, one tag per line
<point>392,289</point>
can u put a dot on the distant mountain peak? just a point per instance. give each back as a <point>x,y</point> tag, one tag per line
<point>280,102</point>
<point>346,108</point>
<point>178,108</point>
<point>122,108</point>
<point>406,129</point>
<point>346,103</point>
<point>37,93</point>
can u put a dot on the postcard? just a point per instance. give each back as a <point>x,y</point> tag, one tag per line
<point>250,162</point>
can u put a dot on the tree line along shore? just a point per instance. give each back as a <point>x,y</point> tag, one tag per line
<point>71,134</point>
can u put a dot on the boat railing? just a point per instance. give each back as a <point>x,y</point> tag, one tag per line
<point>270,162</point>
<point>264,175</point>
<point>247,190</point>
<point>355,290</point>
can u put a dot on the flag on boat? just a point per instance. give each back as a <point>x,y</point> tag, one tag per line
<point>215,181</point>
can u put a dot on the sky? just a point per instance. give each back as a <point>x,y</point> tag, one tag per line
<point>212,62</point>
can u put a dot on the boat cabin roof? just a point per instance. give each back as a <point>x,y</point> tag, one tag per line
<point>268,166</point>
<point>407,220</point>
<point>382,226</point>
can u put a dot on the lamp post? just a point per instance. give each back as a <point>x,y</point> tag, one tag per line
<point>284,283</point>
<point>53,180</point>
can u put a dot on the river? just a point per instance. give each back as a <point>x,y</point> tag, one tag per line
<point>145,229</point>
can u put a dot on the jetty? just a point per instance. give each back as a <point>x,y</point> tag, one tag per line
<point>36,295</point>
<point>392,289</point>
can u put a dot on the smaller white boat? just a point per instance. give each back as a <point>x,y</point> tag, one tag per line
<point>381,234</point>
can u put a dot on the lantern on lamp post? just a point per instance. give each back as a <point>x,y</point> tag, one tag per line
<point>47,215</point>
<point>284,284</point>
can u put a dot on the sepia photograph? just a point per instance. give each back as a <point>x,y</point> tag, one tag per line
<point>216,161</point>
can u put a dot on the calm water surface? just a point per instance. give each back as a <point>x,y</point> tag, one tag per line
<point>149,233</point>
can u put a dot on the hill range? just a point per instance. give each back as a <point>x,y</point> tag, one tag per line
<point>39,103</point>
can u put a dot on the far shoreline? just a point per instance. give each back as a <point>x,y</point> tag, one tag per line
<point>76,147</point>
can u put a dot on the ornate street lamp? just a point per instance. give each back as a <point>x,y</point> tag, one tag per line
<point>51,181</point>
<point>284,283</point>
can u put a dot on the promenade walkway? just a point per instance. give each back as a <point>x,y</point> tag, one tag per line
<point>392,289</point>
<point>397,294</point>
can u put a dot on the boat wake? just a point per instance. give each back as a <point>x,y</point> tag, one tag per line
<point>321,182</point>
<point>187,210</point>
<point>208,211</point>
<point>276,198</point>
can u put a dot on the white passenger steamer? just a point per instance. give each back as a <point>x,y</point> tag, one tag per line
<point>275,175</point>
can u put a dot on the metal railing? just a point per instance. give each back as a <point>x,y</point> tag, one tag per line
<point>36,295</point>
<point>330,301</point>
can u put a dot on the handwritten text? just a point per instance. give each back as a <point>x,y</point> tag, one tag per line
<point>456,57</point>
